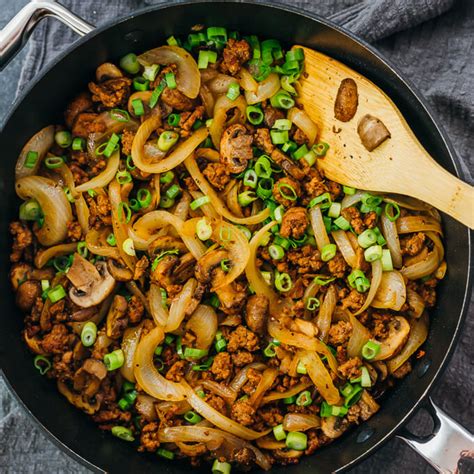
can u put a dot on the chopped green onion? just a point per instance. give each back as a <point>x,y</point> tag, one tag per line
<point>370,349</point>
<point>167,140</point>
<point>264,188</point>
<point>138,108</point>
<point>310,158</point>
<point>123,177</point>
<point>387,264</point>
<point>167,177</point>
<point>362,284</point>
<point>328,252</point>
<point>351,399</point>
<point>289,400</point>
<point>114,360</point>
<point>206,57</point>
<point>172,41</point>
<point>166,202</point>
<point>367,238</point>
<point>267,276</point>
<point>324,201</point>
<point>111,240</point>
<point>254,114</point>
<point>144,197</point>
<point>88,334</point>
<point>365,380</point>
<point>342,223</point>
<point>297,441</point>
<point>201,201</point>
<point>289,147</point>
<point>291,195</point>
<point>225,265</point>
<point>282,124</point>
<point>304,399</point>
<point>82,249</point>
<point>392,211</point>
<point>348,190</point>
<point>109,147</point>
<point>220,345</point>
<point>279,137</point>
<point>57,293</point>
<point>42,364</point>
<point>30,210</point>
<point>31,159</point>
<point>269,351</point>
<point>339,411</point>
<point>68,194</point>
<point>140,84</point>
<point>370,201</point>
<point>124,213</point>
<point>282,100</point>
<point>91,193</point>
<point>158,351</point>
<point>263,167</point>
<point>217,34</point>
<point>353,276</point>
<point>165,453</point>
<point>62,263</point>
<point>312,303</point>
<point>129,63</point>
<point>173,191</point>
<point>221,467</point>
<point>151,72</point>
<point>250,179</point>
<point>279,432</point>
<point>245,198</point>
<point>373,253</point>
<point>245,231</point>
<point>78,144</point>
<point>283,282</point>
<point>134,205</point>
<point>335,210</point>
<point>170,80</point>
<point>278,214</point>
<point>320,149</point>
<point>128,247</point>
<point>276,252</point>
<point>321,281</point>
<point>203,229</point>
<point>301,368</point>
<point>300,152</point>
<point>120,115</point>
<point>286,84</point>
<point>325,410</point>
<point>155,96</point>
<point>271,50</point>
<point>233,91</point>
<point>54,162</point>
<point>192,417</point>
<point>174,119</point>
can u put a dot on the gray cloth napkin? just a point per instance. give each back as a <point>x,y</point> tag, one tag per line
<point>432,42</point>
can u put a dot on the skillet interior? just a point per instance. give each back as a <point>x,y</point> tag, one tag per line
<point>44,103</point>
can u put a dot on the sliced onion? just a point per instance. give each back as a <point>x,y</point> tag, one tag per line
<point>344,245</point>
<point>359,336</point>
<point>434,237</point>
<point>145,406</point>
<point>222,390</point>
<point>40,143</point>
<point>247,81</point>
<point>129,344</point>
<point>241,377</point>
<point>374,285</point>
<point>266,89</point>
<point>320,376</point>
<point>144,96</point>
<point>207,209</point>
<point>188,78</point>
<point>407,202</point>
<point>146,374</point>
<point>82,211</point>
<point>220,117</point>
<point>310,292</point>
<point>300,422</point>
<point>176,157</point>
<point>323,321</point>
<point>319,229</point>
<point>182,208</point>
<point>409,224</point>
<point>220,84</point>
<point>268,442</point>
<point>103,178</point>
<point>96,243</point>
<point>203,323</point>
<point>351,199</point>
<point>179,305</point>
<point>77,399</point>
<point>158,310</point>
<point>207,99</point>
<point>217,418</point>
<point>422,268</point>
<point>54,204</point>
<point>418,335</point>
<point>42,258</point>
<point>268,377</point>
<point>416,303</point>
<point>272,396</point>
<point>389,230</point>
<point>302,120</point>
<point>218,205</point>
<point>392,291</point>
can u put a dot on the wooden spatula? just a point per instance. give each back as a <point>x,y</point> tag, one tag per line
<point>399,165</point>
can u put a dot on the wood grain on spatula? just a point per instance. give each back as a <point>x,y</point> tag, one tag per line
<point>399,165</point>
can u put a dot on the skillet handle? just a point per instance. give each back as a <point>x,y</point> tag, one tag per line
<point>449,448</point>
<point>15,34</point>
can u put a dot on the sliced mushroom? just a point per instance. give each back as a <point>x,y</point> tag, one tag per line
<point>372,131</point>
<point>77,400</point>
<point>118,271</point>
<point>91,284</point>
<point>257,313</point>
<point>88,378</point>
<point>84,314</point>
<point>162,273</point>
<point>367,405</point>
<point>117,319</point>
<point>287,165</point>
<point>399,330</point>
<point>347,100</point>
<point>184,270</point>
<point>27,293</point>
<point>34,344</point>
<point>107,71</point>
<point>196,298</point>
<point>18,274</point>
<point>381,368</point>
<point>231,296</point>
<point>334,426</point>
<point>78,105</point>
<point>207,264</point>
<point>236,148</point>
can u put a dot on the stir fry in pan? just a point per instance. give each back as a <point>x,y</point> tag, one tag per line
<point>190,278</point>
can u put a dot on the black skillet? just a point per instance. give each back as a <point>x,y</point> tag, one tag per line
<point>43,103</point>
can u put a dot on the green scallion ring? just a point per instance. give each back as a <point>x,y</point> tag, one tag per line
<point>88,334</point>
<point>144,197</point>
<point>129,63</point>
<point>42,364</point>
<point>122,433</point>
<point>114,360</point>
<point>54,162</point>
<point>63,138</point>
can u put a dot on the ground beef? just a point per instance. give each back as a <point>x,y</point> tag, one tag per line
<point>188,119</point>
<point>80,104</point>
<point>334,189</point>
<point>242,338</point>
<point>87,123</point>
<point>337,266</point>
<point>241,358</point>
<point>339,333</point>
<point>58,340</point>
<point>403,370</point>
<point>244,457</point>
<point>262,140</point>
<point>243,412</point>
<point>306,259</point>
<point>429,295</point>
<point>272,416</point>
<point>299,137</point>
<point>112,416</point>
<point>271,115</point>
<point>177,370</point>
<point>380,325</point>
<point>351,368</point>
<point>294,223</point>
<point>282,188</point>
<point>99,211</point>
<point>127,141</point>
<point>140,267</point>
<point>111,93</point>
<point>354,300</point>
<point>176,100</point>
<point>135,310</point>
<point>149,437</point>
<point>352,214</point>
<point>216,402</point>
<point>22,238</point>
<point>234,55</point>
<point>315,187</point>
<point>253,379</point>
<point>370,219</point>
<point>57,311</point>
<point>74,231</point>
<point>222,366</point>
<point>217,174</point>
<point>413,245</point>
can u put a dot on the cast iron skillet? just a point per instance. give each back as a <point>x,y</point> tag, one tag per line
<point>43,103</point>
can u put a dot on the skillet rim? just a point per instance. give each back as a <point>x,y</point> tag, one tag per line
<point>411,88</point>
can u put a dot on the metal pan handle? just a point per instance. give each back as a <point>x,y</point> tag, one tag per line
<point>18,30</point>
<point>449,448</point>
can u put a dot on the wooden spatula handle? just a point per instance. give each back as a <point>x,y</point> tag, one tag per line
<point>431,183</point>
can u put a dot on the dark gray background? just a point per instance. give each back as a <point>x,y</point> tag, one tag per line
<point>429,55</point>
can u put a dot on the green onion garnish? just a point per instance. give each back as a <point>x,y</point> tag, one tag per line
<point>138,108</point>
<point>42,364</point>
<point>283,282</point>
<point>140,84</point>
<point>57,293</point>
<point>167,140</point>
<point>31,159</point>
<point>254,114</point>
<point>144,197</point>
<point>123,433</point>
<point>88,334</point>
<point>304,399</point>
<point>296,440</point>
<point>192,417</point>
<point>312,303</point>
<point>129,63</point>
<point>201,201</point>
<point>370,349</point>
<point>114,360</point>
<point>63,138</point>
<point>328,252</point>
<point>173,120</point>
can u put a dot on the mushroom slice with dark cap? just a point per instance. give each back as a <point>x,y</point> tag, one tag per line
<point>208,263</point>
<point>399,330</point>
<point>236,148</point>
<point>91,283</point>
